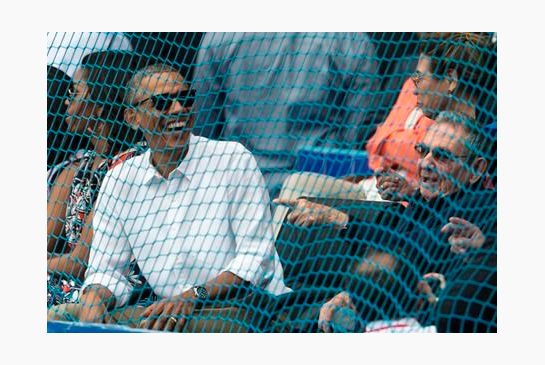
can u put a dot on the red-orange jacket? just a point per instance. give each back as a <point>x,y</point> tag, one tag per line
<point>392,145</point>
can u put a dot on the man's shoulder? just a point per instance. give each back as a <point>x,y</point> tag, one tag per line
<point>477,197</point>
<point>128,168</point>
<point>222,156</point>
<point>215,147</point>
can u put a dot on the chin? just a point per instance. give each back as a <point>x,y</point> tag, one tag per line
<point>430,113</point>
<point>177,141</point>
<point>428,194</point>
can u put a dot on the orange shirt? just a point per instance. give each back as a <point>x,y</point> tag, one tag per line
<point>393,144</point>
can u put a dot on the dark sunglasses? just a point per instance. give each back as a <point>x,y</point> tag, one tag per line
<point>163,102</point>
<point>438,153</point>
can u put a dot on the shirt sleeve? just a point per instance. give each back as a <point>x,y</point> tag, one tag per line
<point>250,219</point>
<point>110,252</point>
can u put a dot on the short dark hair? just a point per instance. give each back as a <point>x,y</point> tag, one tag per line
<point>61,143</point>
<point>106,74</point>
<point>478,143</point>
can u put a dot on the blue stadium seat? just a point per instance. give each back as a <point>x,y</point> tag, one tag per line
<point>76,327</point>
<point>333,161</point>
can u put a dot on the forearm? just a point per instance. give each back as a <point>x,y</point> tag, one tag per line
<point>66,264</point>
<point>224,286</point>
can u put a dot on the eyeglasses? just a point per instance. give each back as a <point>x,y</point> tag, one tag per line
<point>163,102</point>
<point>417,77</point>
<point>72,94</point>
<point>439,154</point>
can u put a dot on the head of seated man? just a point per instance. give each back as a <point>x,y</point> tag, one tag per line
<point>450,162</point>
<point>450,156</point>
<point>161,107</point>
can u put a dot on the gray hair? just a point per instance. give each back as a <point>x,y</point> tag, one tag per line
<point>476,141</point>
<point>133,86</point>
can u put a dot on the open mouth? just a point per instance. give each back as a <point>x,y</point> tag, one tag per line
<point>177,125</point>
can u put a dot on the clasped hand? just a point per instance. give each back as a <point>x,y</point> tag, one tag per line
<point>393,186</point>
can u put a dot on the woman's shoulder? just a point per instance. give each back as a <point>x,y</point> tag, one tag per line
<point>123,156</point>
<point>67,167</point>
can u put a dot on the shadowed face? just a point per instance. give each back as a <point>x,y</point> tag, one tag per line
<point>79,109</point>
<point>442,168</point>
<point>431,92</point>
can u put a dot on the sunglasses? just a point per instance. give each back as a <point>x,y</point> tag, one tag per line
<point>163,102</point>
<point>438,153</point>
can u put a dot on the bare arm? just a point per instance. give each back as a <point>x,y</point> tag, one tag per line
<point>56,208</point>
<point>224,286</point>
<point>74,263</point>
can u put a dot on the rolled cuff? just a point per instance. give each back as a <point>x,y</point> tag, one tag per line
<point>249,268</point>
<point>119,286</point>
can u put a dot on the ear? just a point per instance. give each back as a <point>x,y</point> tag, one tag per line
<point>452,80</point>
<point>478,169</point>
<point>130,117</point>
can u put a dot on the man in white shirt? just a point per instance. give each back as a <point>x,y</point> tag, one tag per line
<point>193,212</point>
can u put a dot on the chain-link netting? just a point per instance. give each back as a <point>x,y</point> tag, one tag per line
<point>272,182</point>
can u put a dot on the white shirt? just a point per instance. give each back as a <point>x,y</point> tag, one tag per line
<point>211,215</point>
<point>413,117</point>
<point>65,50</point>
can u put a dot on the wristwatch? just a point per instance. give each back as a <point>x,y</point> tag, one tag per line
<point>200,293</point>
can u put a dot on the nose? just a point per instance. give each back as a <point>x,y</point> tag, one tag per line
<point>178,108</point>
<point>427,162</point>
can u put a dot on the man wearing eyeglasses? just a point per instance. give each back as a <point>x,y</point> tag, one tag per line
<point>194,214</point>
<point>449,223</point>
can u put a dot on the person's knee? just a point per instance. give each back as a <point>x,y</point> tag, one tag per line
<point>63,312</point>
<point>231,319</point>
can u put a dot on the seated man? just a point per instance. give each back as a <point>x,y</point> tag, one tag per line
<point>449,223</point>
<point>194,214</point>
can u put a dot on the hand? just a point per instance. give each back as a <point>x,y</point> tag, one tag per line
<point>393,186</point>
<point>341,300</point>
<point>94,313</point>
<point>463,235</point>
<point>424,287</point>
<point>306,213</point>
<point>93,305</point>
<point>168,314</point>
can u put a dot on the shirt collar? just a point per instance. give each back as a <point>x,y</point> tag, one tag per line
<point>437,204</point>
<point>186,168</point>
